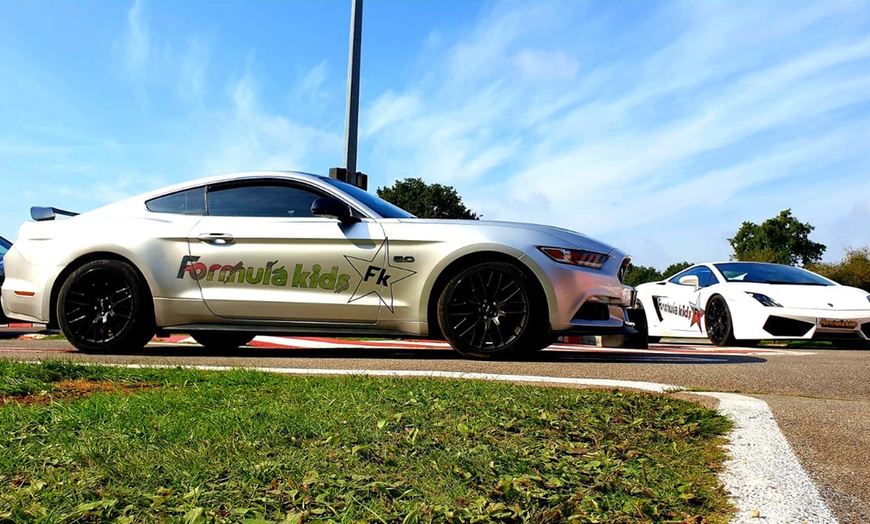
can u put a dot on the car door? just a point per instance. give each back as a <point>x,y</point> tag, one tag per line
<point>677,301</point>
<point>260,254</point>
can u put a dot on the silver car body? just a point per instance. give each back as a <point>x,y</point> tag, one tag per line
<point>309,274</point>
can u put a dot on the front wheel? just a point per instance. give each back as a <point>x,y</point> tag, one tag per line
<point>221,340</point>
<point>487,312</point>
<point>720,327</point>
<point>104,306</point>
<point>849,343</point>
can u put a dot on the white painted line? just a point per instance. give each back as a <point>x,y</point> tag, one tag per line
<point>765,479</point>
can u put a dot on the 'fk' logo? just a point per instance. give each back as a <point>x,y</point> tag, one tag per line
<point>377,276</point>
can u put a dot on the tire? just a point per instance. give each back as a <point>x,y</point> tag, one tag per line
<point>641,339</point>
<point>487,312</point>
<point>104,306</point>
<point>222,340</point>
<point>849,344</point>
<point>653,340</point>
<point>720,327</point>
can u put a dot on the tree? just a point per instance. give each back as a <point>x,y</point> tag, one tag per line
<point>853,270</point>
<point>782,240</point>
<point>636,275</point>
<point>675,268</point>
<point>426,200</point>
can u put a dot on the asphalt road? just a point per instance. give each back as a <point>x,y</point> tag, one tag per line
<point>820,398</point>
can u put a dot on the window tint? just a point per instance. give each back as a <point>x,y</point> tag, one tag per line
<point>379,206</point>
<point>270,199</point>
<point>189,202</point>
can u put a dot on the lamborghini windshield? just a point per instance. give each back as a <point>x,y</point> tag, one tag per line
<point>761,273</point>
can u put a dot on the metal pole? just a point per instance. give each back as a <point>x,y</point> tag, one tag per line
<point>352,121</point>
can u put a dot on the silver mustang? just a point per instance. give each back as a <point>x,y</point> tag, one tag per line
<point>230,257</point>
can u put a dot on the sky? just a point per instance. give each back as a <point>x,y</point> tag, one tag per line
<point>657,127</point>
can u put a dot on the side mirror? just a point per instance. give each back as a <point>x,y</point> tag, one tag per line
<point>690,280</point>
<point>331,207</point>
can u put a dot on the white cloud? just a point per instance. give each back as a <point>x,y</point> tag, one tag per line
<point>725,102</point>
<point>137,41</point>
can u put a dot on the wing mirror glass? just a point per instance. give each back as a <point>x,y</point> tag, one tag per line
<point>331,207</point>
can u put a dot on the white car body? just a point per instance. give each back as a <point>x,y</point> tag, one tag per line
<point>299,273</point>
<point>765,302</point>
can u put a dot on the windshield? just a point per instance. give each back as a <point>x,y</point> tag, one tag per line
<point>769,274</point>
<point>379,206</point>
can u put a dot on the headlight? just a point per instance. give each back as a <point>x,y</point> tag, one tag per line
<point>765,300</point>
<point>575,257</point>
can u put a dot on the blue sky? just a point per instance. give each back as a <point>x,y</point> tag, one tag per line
<point>658,127</point>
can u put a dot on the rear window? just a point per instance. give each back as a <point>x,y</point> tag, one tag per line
<point>188,202</point>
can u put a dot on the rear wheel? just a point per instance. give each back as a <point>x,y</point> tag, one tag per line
<point>720,327</point>
<point>104,306</point>
<point>222,340</point>
<point>487,312</point>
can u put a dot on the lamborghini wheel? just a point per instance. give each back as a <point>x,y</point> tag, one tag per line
<point>487,312</point>
<point>720,326</point>
<point>104,306</point>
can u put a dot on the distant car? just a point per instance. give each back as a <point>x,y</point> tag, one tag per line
<point>4,247</point>
<point>740,303</point>
<point>229,257</point>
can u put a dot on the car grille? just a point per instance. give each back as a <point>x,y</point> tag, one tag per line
<point>786,327</point>
<point>623,269</point>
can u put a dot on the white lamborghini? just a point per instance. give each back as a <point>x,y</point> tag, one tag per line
<point>230,257</point>
<point>741,303</point>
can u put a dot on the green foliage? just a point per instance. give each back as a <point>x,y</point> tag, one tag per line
<point>244,446</point>
<point>675,268</point>
<point>853,270</point>
<point>636,275</point>
<point>781,240</point>
<point>426,200</point>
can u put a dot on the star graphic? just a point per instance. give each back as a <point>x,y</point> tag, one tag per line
<point>377,275</point>
<point>697,313</point>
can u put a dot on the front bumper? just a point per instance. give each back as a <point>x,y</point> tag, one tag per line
<point>812,324</point>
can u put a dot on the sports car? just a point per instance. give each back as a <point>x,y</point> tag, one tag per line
<point>741,303</point>
<point>230,257</point>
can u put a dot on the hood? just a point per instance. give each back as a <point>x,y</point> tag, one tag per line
<point>809,297</point>
<point>567,237</point>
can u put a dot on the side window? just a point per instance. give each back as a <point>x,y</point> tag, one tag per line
<point>269,199</point>
<point>189,202</point>
<point>710,280</point>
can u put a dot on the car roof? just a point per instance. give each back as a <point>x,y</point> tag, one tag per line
<point>289,175</point>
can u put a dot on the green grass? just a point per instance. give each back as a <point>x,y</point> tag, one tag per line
<point>242,446</point>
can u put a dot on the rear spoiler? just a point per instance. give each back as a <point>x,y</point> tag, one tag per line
<point>41,214</point>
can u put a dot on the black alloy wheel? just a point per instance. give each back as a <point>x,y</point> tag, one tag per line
<point>103,306</point>
<point>486,312</point>
<point>222,340</point>
<point>720,328</point>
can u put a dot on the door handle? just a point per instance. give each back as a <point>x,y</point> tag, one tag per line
<point>219,239</point>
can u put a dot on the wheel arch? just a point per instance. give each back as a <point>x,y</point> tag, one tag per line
<point>466,261</point>
<point>79,262</point>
